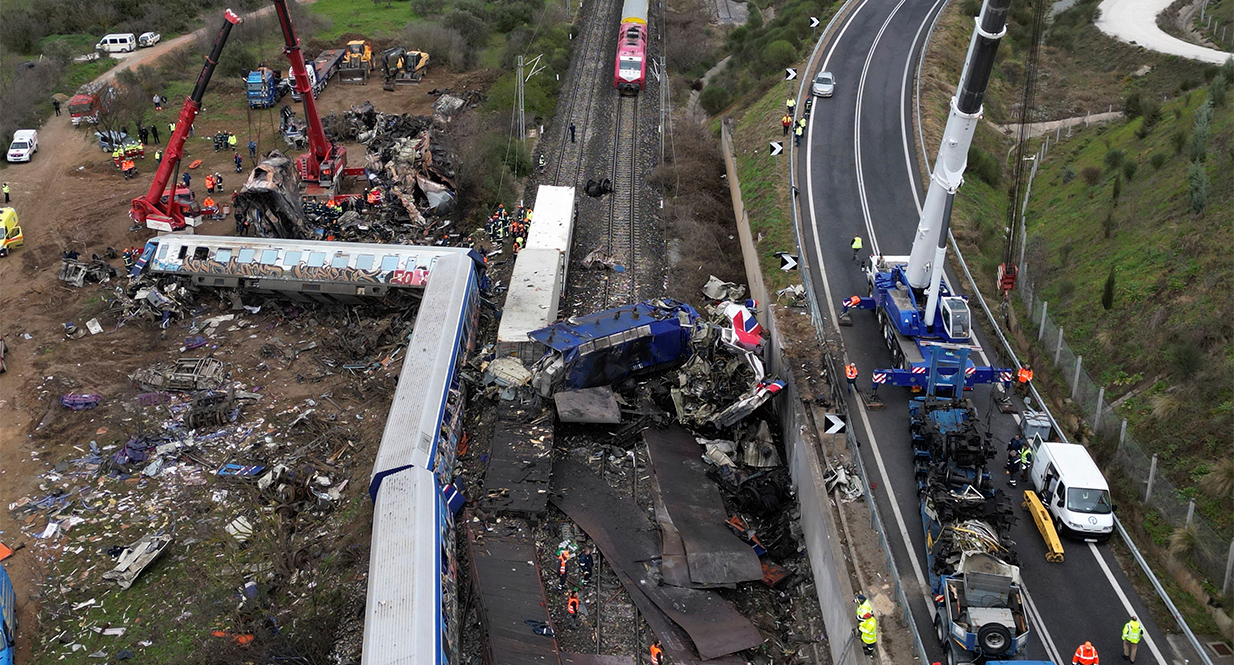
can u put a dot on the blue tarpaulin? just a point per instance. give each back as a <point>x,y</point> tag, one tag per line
<point>604,348</point>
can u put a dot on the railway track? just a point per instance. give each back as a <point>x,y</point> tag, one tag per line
<point>594,62</point>
<point>624,231</point>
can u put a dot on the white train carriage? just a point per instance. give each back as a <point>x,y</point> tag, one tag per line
<point>294,267</point>
<point>425,421</point>
<point>531,303</point>
<point>552,223</point>
<point>412,604</point>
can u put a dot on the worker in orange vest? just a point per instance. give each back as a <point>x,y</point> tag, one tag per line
<point>572,608</point>
<point>850,373</point>
<point>1023,377</point>
<point>1086,654</point>
<point>563,561</point>
<point>130,168</point>
<point>657,654</point>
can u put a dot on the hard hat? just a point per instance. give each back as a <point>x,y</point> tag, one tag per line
<point>859,599</point>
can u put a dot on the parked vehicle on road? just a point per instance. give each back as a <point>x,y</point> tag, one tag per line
<point>25,144</point>
<point>148,39</point>
<point>111,140</point>
<point>121,42</point>
<point>10,237</point>
<point>84,106</point>
<point>824,85</point>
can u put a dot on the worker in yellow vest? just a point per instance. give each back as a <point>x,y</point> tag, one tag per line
<point>868,628</point>
<point>1132,632</point>
<point>856,246</point>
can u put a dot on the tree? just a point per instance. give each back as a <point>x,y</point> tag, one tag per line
<point>1107,294</point>
<point>779,54</point>
<point>1197,180</point>
<point>1199,137</point>
<point>714,99</point>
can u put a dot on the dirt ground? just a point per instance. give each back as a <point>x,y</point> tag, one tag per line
<point>71,197</point>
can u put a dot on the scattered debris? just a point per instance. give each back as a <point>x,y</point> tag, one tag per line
<point>136,558</point>
<point>589,405</point>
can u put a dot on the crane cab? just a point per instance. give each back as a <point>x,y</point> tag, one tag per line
<point>957,319</point>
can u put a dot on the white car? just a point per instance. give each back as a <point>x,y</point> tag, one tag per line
<point>149,39</point>
<point>824,85</point>
<point>25,144</point>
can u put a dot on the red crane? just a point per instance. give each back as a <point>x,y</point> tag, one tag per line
<point>323,164</point>
<point>158,210</point>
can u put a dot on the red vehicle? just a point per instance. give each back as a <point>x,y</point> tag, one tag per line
<point>155,209</point>
<point>85,105</point>
<point>631,69</point>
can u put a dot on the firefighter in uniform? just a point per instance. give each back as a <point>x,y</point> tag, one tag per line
<point>869,634</point>
<point>585,563</point>
<point>1086,654</point>
<point>1132,632</point>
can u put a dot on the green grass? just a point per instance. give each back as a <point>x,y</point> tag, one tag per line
<point>81,44</point>
<point>764,184</point>
<point>365,17</point>
<point>1221,11</point>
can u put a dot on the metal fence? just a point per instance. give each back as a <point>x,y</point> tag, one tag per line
<point>1212,554</point>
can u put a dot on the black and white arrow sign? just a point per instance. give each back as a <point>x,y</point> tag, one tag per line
<point>788,261</point>
<point>813,21</point>
<point>834,424</point>
<point>789,73</point>
<point>776,148</point>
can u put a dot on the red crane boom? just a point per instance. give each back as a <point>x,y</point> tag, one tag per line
<point>323,164</point>
<point>157,209</point>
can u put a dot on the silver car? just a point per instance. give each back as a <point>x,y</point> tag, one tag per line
<point>824,85</point>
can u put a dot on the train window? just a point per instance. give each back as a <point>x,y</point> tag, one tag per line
<point>364,262</point>
<point>223,255</point>
<point>291,258</point>
<point>184,251</point>
<point>389,263</point>
<point>269,256</point>
<point>162,251</point>
<point>316,259</point>
<point>201,253</point>
<point>246,255</point>
<point>340,261</point>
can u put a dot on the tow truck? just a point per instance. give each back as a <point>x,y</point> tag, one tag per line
<point>173,212</point>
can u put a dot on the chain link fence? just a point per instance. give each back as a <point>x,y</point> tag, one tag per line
<point>1207,551</point>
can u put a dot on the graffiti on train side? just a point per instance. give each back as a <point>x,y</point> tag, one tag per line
<point>300,272</point>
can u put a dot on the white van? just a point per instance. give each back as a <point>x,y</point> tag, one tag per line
<point>117,43</point>
<point>1073,490</point>
<point>25,144</point>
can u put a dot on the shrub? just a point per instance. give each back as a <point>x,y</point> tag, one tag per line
<point>446,46</point>
<point>1151,116</point>
<point>474,28</point>
<point>1217,90</point>
<point>1197,187</point>
<point>1227,70</point>
<point>1199,136</point>
<point>1179,140</point>
<point>1109,224</point>
<point>1157,160</point>
<point>714,99</point>
<point>779,54</point>
<point>985,166</point>
<point>1113,159</point>
<point>1132,106</point>
<point>1107,294</point>
<point>1116,190</point>
<point>1129,169</point>
<point>1186,358</point>
<point>1068,174</point>
<point>1091,175</point>
<point>1066,288</point>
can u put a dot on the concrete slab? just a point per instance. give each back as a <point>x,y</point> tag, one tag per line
<point>589,405</point>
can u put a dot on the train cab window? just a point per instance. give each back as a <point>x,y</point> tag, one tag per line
<point>201,253</point>
<point>364,262</point>
<point>340,261</point>
<point>316,259</point>
<point>389,263</point>
<point>246,255</point>
<point>223,255</point>
<point>163,251</point>
<point>291,258</point>
<point>269,256</point>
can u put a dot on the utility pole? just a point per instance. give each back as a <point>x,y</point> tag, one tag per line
<point>520,112</point>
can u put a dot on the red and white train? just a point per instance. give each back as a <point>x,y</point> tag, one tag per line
<point>631,68</point>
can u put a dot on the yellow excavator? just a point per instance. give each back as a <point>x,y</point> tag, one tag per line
<point>403,67</point>
<point>357,62</point>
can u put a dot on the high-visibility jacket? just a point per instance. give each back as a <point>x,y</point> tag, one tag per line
<point>1026,458</point>
<point>868,629</point>
<point>799,131</point>
<point>172,125</point>
<point>1086,654</point>
<point>1133,631</point>
<point>209,182</point>
<point>129,164</point>
<point>657,654</point>
<point>374,196</point>
<point>856,242</point>
<point>801,122</point>
<point>572,605</point>
<point>562,560</point>
<point>864,610</point>
<point>158,155</point>
<point>231,140</point>
<point>1024,375</point>
<point>5,189</point>
<point>786,120</point>
<point>790,102</point>
<point>208,203</point>
<point>850,371</point>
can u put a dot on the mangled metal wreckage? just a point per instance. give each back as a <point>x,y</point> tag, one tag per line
<point>721,378</point>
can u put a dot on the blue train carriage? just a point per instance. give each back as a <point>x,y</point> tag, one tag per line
<point>8,619</point>
<point>411,613</point>
<point>293,266</point>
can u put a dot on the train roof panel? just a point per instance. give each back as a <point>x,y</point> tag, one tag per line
<point>634,11</point>
<point>404,585</point>
<point>413,426</point>
<point>552,220</point>
<point>532,299</point>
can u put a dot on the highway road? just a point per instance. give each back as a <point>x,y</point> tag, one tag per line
<point>858,175</point>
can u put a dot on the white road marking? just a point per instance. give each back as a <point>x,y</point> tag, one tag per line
<point>1152,646</point>
<point>908,159</point>
<point>1051,651</point>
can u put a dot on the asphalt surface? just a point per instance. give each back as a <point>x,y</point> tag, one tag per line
<point>858,176</point>
<point>1135,22</point>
